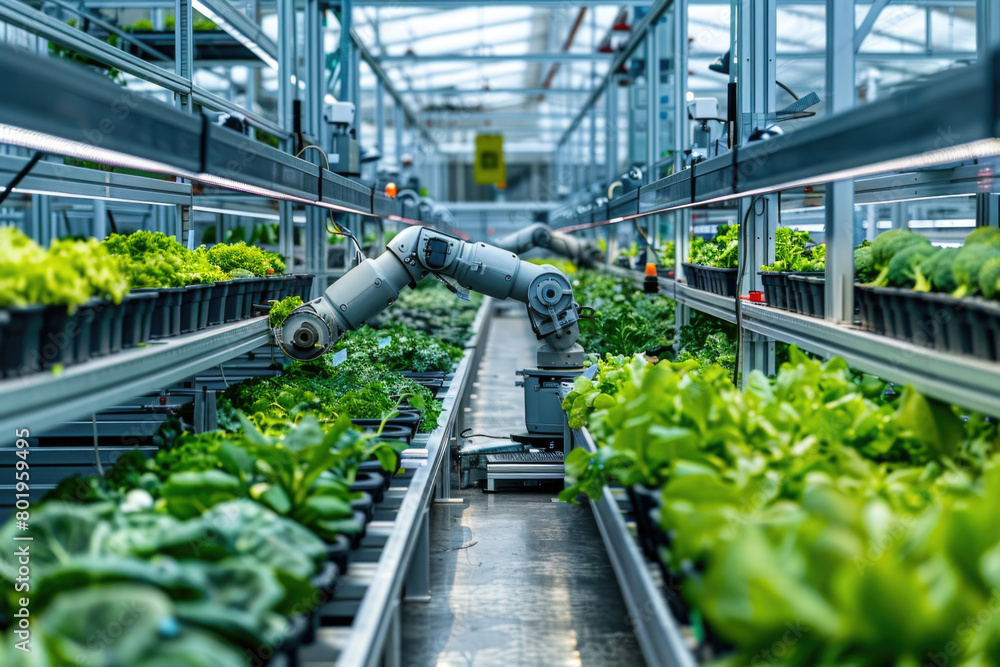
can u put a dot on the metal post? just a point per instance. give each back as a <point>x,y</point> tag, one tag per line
<point>418,574</point>
<point>652,98</point>
<point>680,66</point>
<point>100,228</point>
<point>592,172</point>
<point>611,130</point>
<point>987,27</point>
<point>754,68</point>
<point>184,40</point>
<point>987,209</point>
<point>346,54</point>
<point>286,61</point>
<point>841,93</point>
<point>397,126</point>
<point>312,117</point>
<point>380,115</point>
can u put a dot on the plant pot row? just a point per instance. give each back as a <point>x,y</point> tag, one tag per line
<point>802,293</point>
<point>968,326</point>
<point>37,338</point>
<point>711,279</point>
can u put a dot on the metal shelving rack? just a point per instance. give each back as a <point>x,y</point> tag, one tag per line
<point>916,144</point>
<point>44,400</point>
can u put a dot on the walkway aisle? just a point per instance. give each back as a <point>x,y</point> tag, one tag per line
<point>516,577</point>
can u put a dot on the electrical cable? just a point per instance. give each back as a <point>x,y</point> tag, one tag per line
<point>19,176</point>
<point>321,152</point>
<point>787,89</point>
<point>741,263</point>
<point>466,434</point>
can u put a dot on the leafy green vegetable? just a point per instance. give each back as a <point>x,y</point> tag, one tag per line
<point>722,252</point>
<point>282,309</point>
<point>399,347</point>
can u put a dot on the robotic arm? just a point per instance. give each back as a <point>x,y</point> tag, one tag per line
<point>367,289</point>
<point>540,235</point>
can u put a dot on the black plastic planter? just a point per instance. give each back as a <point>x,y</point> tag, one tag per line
<point>137,318</point>
<point>59,329</point>
<point>720,281</point>
<point>107,324</point>
<point>19,354</point>
<point>775,284</point>
<point>364,504</point>
<point>371,483</point>
<point>693,274</point>
<point>288,285</point>
<point>304,287</point>
<point>810,294</point>
<point>191,300</point>
<point>969,326</point>
<point>392,431</point>
<point>339,552</point>
<point>166,320</point>
<point>86,315</point>
<point>216,309</point>
<point>235,307</point>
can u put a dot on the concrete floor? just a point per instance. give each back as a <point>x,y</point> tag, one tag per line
<point>517,578</point>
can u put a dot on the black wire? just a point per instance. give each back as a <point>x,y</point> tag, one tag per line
<point>741,263</point>
<point>467,434</point>
<point>786,89</point>
<point>20,175</point>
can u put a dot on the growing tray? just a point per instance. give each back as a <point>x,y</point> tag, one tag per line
<point>20,338</point>
<point>216,303</point>
<point>969,326</point>
<point>775,285</point>
<point>235,308</point>
<point>137,318</point>
<point>166,317</point>
<point>809,294</point>
<point>192,298</point>
<point>720,281</point>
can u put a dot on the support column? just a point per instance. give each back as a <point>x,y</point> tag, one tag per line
<point>418,574</point>
<point>286,61</point>
<point>840,91</point>
<point>611,130</point>
<point>346,54</point>
<point>754,69</point>
<point>380,115</point>
<point>987,209</point>
<point>987,27</point>
<point>184,40</point>
<point>682,132</point>
<point>397,127</point>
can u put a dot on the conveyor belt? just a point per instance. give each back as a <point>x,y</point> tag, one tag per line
<point>525,457</point>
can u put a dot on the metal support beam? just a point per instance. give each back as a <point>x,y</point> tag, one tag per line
<point>840,72</point>
<point>555,57</point>
<point>286,61</point>
<point>755,30</point>
<point>184,40</point>
<point>987,27</point>
<point>418,574</point>
<point>656,11</point>
<point>380,116</point>
<point>866,26</point>
<point>346,53</point>
<point>652,98</point>
<point>987,209</point>
<point>682,135</point>
<point>611,131</point>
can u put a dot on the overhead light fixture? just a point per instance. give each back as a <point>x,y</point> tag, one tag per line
<point>257,215</point>
<point>46,142</point>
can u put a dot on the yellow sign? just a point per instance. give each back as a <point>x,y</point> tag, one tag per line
<point>489,168</point>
